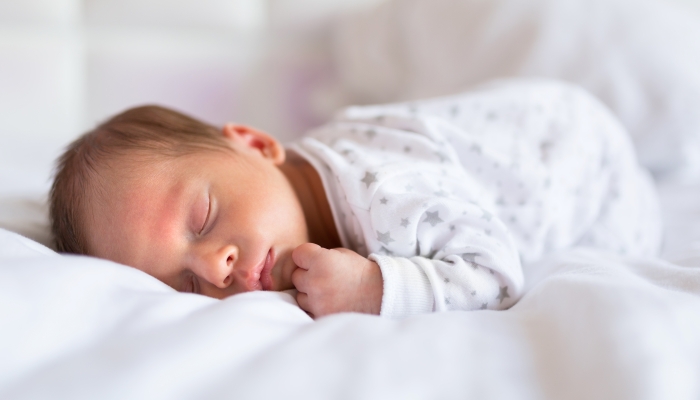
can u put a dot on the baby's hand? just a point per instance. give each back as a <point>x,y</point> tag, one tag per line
<point>336,280</point>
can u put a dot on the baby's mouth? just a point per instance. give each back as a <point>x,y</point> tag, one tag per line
<point>265,273</point>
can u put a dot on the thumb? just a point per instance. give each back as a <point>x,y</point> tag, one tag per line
<point>306,254</point>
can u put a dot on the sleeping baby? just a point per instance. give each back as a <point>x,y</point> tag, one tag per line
<point>393,209</point>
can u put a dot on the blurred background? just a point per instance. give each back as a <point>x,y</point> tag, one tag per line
<point>280,65</point>
<point>66,65</point>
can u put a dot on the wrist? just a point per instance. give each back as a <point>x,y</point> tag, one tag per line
<point>373,283</point>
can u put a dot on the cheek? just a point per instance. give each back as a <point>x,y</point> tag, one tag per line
<point>281,206</point>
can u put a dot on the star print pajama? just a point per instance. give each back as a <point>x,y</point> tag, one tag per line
<point>453,196</point>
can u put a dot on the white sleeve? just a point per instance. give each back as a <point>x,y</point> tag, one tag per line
<point>475,267</point>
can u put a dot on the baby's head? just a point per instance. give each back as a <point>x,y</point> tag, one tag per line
<point>203,209</point>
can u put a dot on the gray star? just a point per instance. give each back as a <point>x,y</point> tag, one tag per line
<point>469,257</point>
<point>452,227</point>
<point>346,152</point>
<point>383,200</point>
<point>447,280</point>
<point>441,156</point>
<point>385,237</point>
<point>473,292</point>
<point>369,178</point>
<point>487,231</point>
<point>483,306</point>
<point>407,149</point>
<point>433,218</point>
<point>503,294</point>
<point>447,300</point>
<point>404,222</point>
<point>386,251</point>
<point>487,215</point>
<point>371,134</point>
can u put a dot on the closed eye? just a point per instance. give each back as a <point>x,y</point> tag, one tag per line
<point>206,220</point>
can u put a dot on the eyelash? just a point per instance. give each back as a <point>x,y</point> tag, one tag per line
<point>206,220</point>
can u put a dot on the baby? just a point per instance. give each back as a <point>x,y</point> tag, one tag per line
<point>394,209</point>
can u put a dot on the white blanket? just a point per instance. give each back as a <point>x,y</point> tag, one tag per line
<point>591,325</point>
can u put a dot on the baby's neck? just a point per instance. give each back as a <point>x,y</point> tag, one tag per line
<point>309,189</point>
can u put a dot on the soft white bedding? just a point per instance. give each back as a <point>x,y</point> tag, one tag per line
<point>590,326</point>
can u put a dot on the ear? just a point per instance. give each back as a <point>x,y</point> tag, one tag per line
<point>251,138</point>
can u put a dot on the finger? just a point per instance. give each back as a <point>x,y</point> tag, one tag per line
<point>303,301</point>
<point>305,254</point>
<point>299,279</point>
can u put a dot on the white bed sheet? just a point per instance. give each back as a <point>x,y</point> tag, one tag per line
<point>591,325</point>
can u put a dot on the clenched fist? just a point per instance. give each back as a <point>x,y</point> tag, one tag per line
<point>336,280</point>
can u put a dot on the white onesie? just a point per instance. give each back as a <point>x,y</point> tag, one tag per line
<point>451,196</point>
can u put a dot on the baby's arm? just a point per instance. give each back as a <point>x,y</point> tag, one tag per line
<point>336,280</point>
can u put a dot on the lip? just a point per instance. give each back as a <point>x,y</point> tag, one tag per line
<point>265,273</point>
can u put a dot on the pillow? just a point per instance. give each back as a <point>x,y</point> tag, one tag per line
<point>640,57</point>
<point>13,245</point>
<point>82,319</point>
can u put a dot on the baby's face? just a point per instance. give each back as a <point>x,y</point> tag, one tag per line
<point>213,222</point>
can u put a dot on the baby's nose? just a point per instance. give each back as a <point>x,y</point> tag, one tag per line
<point>220,266</point>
